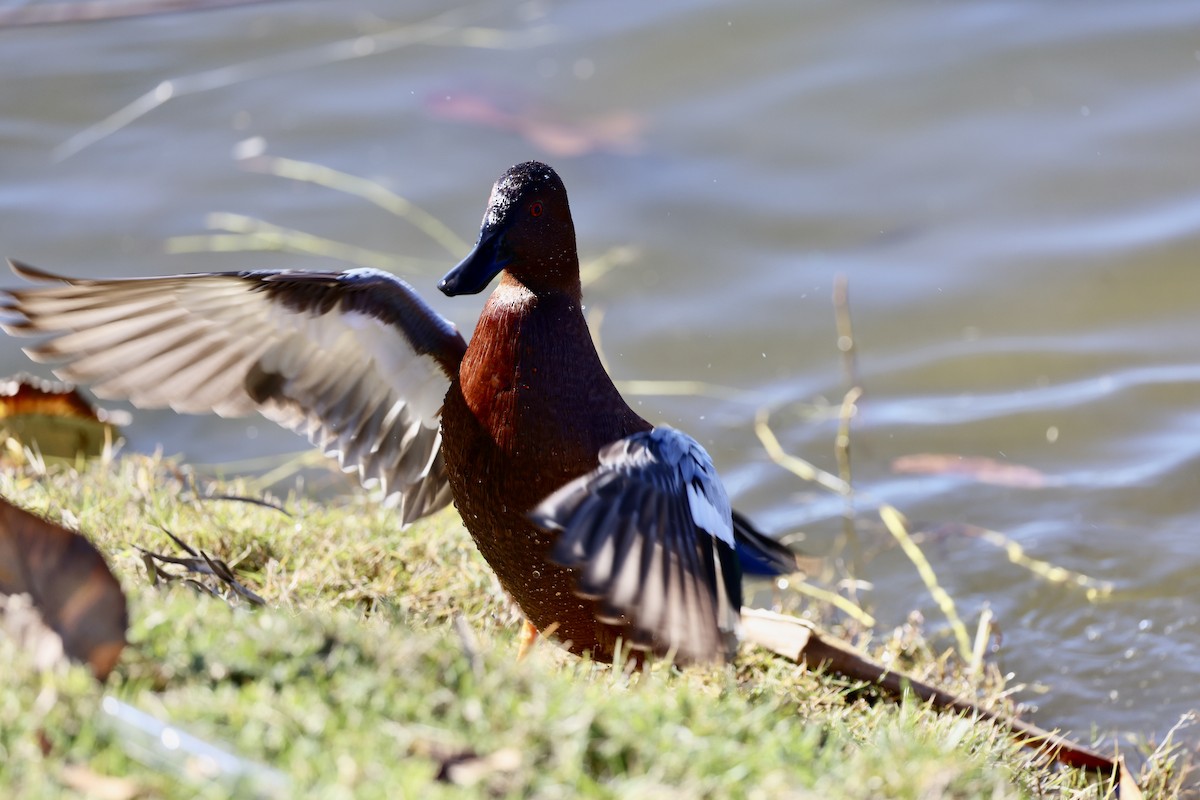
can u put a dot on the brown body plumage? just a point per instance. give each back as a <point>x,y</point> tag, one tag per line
<point>530,411</point>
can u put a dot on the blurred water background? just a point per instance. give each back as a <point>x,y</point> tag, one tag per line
<point>1011,190</point>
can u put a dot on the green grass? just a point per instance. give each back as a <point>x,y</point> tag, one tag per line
<point>356,680</point>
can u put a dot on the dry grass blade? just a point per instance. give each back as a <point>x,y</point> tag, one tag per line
<point>250,233</point>
<point>983,635</point>
<point>282,241</point>
<point>841,448</point>
<point>274,505</point>
<point>276,469</point>
<point>1168,770</point>
<point>845,605</point>
<point>845,329</point>
<point>596,268</point>
<point>1094,588</point>
<point>644,388</point>
<point>794,464</point>
<point>849,409</point>
<point>894,521</point>
<point>368,190</point>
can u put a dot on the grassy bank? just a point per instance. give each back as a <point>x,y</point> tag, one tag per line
<point>383,666</point>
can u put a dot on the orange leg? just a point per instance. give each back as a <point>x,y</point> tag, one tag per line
<point>529,637</point>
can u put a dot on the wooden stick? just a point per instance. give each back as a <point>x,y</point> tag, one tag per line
<point>804,643</point>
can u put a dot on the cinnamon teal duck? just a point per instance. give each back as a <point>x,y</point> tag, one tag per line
<point>602,527</point>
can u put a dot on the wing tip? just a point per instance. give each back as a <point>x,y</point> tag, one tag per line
<point>763,555</point>
<point>32,273</point>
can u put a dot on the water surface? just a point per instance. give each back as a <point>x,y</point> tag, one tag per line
<point>1011,189</point>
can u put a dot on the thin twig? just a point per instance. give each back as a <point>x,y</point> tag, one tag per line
<point>364,188</point>
<point>983,635</point>
<point>617,256</point>
<point>894,521</point>
<point>845,330</point>
<point>274,505</point>
<point>257,235</point>
<point>794,464</point>
<point>1094,588</point>
<point>842,451</point>
<point>847,606</point>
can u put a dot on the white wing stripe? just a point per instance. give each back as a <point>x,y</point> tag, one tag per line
<point>650,534</point>
<point>706,515</point>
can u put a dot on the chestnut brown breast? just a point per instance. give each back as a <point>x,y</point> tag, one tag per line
<point>530,411</point>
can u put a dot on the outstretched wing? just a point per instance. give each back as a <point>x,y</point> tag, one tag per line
<point>650,535</point>
<point>355,360</point>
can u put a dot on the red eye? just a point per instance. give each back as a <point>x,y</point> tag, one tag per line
<point>535,209</point>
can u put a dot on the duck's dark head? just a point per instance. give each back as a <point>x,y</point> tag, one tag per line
<point>527,231</point>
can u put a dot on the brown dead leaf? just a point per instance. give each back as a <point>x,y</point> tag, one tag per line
<point>55,417</point>
<point>982,469</point>
<point>1127,788</point>
<point>69,583</point>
